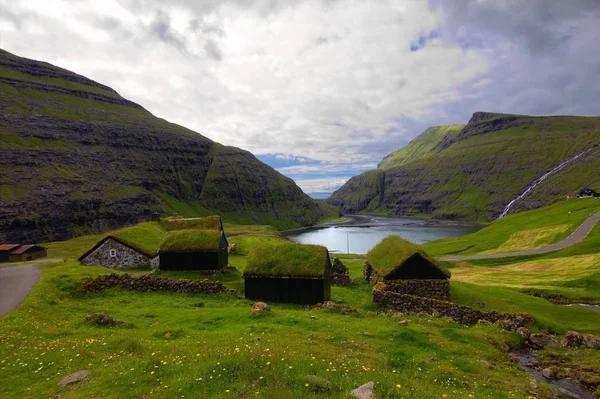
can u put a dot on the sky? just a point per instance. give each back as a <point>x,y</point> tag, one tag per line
<point>321,90</point>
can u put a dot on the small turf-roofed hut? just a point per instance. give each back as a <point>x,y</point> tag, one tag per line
<point>406,269</point>
<point>289,273</point>
<point>194,249</point>
<point>134,246</point>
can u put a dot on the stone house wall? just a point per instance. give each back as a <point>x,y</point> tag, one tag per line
<point>124,256</point>
<point>430,288</point>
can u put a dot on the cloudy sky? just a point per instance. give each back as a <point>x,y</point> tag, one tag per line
<point>321,90</point>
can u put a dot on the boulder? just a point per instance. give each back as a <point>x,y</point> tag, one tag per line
<point>365,391</point>
<point>542,340</point>
<point>548,373</point>
<point>73,378</point>
<point>404,322</point>
<point>572,340</point>
<point>318,383</point>
<point>591,341</point>
<point>523,332</point>
<point>260,307</point>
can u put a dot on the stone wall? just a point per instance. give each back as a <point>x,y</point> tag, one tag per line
<point>340,279</point>
<point>340,275</point>
<point>459,313</point>
<point>432,288</point>
<point>125,257</point>
<point>152,283</point>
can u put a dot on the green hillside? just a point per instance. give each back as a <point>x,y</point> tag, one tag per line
<point>77,158</point>
<point>423,146</point>
<point>520,231</point>
<point>472,174</point>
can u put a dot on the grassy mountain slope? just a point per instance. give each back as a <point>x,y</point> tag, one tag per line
<point>424,145</point>
<point>520,231</point>
<point>77,158</point>
<point>475,173</point>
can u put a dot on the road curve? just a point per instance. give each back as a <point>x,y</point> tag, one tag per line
<point>578,235</point>
<point>16,283</point>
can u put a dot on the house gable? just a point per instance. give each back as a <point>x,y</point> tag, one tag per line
<point>415,267</point>
<point>111,252</point>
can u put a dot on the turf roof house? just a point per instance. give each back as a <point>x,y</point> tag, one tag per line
<point>288,273</point>
<point>117,252</point>
<point>406,269</point>
<point>194,249</point>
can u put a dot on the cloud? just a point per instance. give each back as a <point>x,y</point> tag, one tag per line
<point>331,82</point>
<point>322,184</point>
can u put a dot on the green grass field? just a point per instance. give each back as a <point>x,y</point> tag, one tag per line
<point>186,345</point>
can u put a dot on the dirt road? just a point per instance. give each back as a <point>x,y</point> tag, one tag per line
<point>16,283</point>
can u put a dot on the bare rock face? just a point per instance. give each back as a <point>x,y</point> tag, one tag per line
<point>260,307</point>
<point>365,391</point>
<point>73,378</point>
<point>572,340</point>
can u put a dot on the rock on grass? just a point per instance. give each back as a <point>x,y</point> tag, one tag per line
<point>365,391</point>
<point>73,378</point>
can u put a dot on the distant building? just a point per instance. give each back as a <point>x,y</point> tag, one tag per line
<point>588,192</point>
<point>289,273</point>
<point>114,252</point>
<point>404,268</point>
<point>20,253</point>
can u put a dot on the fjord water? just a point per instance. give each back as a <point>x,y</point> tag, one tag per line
<point>360,237</point>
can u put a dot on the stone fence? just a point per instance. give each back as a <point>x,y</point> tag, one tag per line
<point>462,314</point>
<point>147,283</point>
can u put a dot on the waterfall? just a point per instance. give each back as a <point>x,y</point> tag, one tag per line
<point>539,180</point>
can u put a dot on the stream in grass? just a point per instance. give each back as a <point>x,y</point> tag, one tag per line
<point>363,232</point>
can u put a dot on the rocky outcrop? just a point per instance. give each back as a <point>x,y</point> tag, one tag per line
<point>148,283</point>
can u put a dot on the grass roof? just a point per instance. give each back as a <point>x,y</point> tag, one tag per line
<point>392,251</point>
<point>191,240</point>
<point>287,259</point>
<point>206,223</point>
<point>145,237</point>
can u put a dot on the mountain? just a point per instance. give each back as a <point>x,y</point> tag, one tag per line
<point>77,158</point>
<point>472,172</point>
<point>423,146</point>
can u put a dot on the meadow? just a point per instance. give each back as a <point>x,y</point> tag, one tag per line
<point>207,346</point>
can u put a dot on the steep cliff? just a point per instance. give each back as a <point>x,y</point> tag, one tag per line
<point>77,158</point>
<point>472,172</point>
